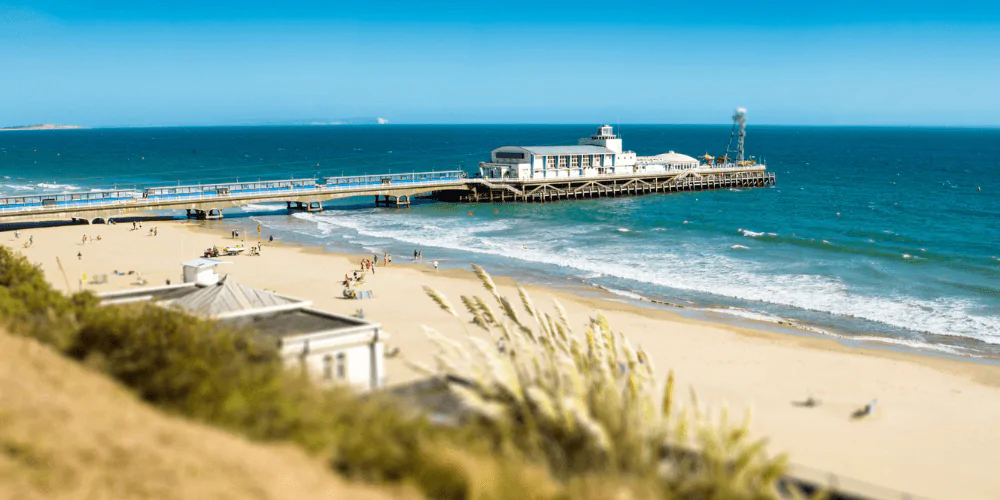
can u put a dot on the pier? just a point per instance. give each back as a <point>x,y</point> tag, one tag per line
<point>548,190</point>
<point>207,201</point>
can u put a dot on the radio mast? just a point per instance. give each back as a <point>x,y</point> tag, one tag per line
<point>739,126</point>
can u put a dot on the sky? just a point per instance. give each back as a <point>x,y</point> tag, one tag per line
<point>179,62</point>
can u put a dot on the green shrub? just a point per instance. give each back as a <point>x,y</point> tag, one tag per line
<point>29,305</point>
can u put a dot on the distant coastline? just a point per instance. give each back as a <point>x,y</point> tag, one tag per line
<point>41,126</point>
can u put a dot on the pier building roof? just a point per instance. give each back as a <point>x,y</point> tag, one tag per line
<point>566,150</point>
<point>671,157</point>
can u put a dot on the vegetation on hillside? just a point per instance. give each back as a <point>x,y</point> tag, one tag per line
<point>553,416</point>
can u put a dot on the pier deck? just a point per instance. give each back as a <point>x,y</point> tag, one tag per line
<point>546,190</point>
<point>207,201</point>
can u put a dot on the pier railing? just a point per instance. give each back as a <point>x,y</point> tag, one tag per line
<point>332,185</point>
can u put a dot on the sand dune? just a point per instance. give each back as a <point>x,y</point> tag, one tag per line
<point>67,432</point>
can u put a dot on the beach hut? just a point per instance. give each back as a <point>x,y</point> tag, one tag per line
<point>202,271</point>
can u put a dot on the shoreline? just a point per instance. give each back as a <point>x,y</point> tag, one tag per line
<point>728,365</point>
<point>732,316</point>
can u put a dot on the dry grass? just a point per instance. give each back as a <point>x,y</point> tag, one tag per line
<point>68,432</point>
<point>588,404</point>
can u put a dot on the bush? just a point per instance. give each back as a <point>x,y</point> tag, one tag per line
<point>29,305</point>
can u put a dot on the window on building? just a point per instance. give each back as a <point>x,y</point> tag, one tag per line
<point>508,155</point>
<point>574,161</point>
<point>341,366</point>
<point>563,160</point>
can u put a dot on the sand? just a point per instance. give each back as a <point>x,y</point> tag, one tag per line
<point>932,433</point>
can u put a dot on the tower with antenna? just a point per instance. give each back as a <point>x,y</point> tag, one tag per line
<point>739,127</point>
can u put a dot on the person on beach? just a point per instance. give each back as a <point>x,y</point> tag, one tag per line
<point>271,239</point>
<point>375,257</point>
<point>31,240</point>
<point>17,234</point>
<point>133,225</point>
<point>390,260</point>
<point>79,256</point>
<point>435,265</point>
<point>421,255</point>
<point>415,253</point>
<point>385,259</point>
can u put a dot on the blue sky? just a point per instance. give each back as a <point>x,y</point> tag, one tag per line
<point>117,63</point>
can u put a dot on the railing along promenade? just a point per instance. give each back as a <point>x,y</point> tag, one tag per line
<point>208,200</point>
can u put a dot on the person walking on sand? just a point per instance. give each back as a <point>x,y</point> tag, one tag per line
<point>435,265</point>
<point>270,239</point>
<point>415,253</point>
<point>79,256</point>
<point>17,234</point>
<point>421,255</point>
<point>375,256</point>
<point>385,259</point>
<point>31,240</point>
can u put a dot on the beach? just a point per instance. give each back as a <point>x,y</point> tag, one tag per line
<point>931,433</point>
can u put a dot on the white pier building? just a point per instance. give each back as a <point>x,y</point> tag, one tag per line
<point>598,155</point>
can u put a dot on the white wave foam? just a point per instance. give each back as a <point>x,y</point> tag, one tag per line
<point>624,230</point>
<point>624,293</point>
<point>257,207</point>
<point>740,247</point>
<point>682,267</point>
<point>750,234</point>
<point>67,187</point>
<point>19,187</point>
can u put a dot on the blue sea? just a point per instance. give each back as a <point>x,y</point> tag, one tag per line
<point>884,235</point>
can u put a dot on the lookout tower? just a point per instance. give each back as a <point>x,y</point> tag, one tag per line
<point>604,137</point>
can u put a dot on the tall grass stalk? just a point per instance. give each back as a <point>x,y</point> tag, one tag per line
<point>592,405</point>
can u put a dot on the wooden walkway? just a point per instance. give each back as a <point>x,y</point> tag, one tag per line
<point>546,190</point>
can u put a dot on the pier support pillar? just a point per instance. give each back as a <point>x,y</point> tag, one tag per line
<point>313,206</point>
<point>210,214</point>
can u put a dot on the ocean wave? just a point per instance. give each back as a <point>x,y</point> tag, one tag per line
<point>750,234</point>
<point>67,187</point>
<point>257,207</point>
<point>689,269</point>
<point>624,230</point>
<point>20,187</point>
<point>740,247</point>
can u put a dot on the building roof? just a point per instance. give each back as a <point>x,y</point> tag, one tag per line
<point>294,322</point>
<point>566,150</point>
<point>228,296</point>
<point>201,263</point>
<point>148,294</point>
<point>670,157</point>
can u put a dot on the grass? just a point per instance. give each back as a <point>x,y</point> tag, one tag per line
<point>556,415</point>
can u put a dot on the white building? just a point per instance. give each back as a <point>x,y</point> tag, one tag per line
<point>331,348</point>
<point>202,271</point>
<point>599,154</point>
<point>665,162</point>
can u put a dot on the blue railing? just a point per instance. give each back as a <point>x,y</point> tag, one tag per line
<point>195,192</point>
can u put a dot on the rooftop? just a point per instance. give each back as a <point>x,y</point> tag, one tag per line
<point>293,322</point>
<point>228,297</point>
<point>567,150</point>
<point>203,262</point>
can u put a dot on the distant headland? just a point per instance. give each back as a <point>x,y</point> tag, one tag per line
<point>42,126</point>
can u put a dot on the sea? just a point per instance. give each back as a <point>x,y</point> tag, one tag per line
<point>888,237</point>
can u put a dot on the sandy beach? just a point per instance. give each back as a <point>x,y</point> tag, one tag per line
<point>931,435</point>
